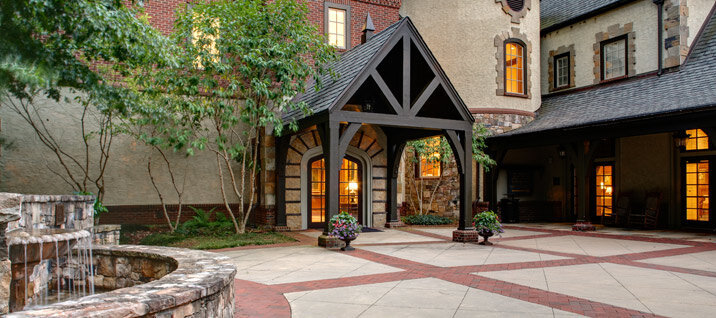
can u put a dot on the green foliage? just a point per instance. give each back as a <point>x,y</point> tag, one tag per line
<point>435,149</point>
<point>240,64</point>
<point>162,239</point>
<point>343,225</point>
<point>479,133</point>
<point>98,207</point>
<point>83,45</point>
<point>426,219</point>
<point>487,220</point>
<point>202,224</point>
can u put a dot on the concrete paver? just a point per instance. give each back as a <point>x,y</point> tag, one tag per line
<point>533,271</point>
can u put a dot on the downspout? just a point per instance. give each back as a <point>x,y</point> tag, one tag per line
<point>660,34</point>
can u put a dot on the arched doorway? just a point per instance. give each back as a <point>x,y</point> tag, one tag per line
<point>350,190</point>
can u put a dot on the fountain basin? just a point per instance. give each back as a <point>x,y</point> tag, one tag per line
<point>180,283</point>
<point>31,240</point>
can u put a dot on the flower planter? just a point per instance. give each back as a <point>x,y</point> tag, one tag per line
<point>348,246</point>
<point>485,235</point>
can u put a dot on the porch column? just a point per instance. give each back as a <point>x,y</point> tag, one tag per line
<point>282,143</point>
<point>395,151</point>
<point>461,144</point>
<point>582,186</point>
<point>466,183</point>
<point>330,141</point>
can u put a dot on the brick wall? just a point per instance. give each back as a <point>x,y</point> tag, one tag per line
<point>383,12</point>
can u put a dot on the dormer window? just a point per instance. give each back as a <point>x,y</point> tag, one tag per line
<point>337,21</point>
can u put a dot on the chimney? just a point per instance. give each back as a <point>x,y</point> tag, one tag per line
<point>368,29</point>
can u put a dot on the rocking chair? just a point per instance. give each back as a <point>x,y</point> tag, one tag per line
<point>621,211</point>
<point>649,218</point>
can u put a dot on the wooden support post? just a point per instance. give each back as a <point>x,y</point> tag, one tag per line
<point>395,151</point>
<point>282,144</point>
<point>465,231</point>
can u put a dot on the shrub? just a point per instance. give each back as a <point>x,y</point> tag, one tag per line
<point>201,224</point>
<point>426,219</point>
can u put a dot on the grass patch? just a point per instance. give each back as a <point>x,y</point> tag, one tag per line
<point>426,219</point>
<point>209,242</point>
<point>208,230</point>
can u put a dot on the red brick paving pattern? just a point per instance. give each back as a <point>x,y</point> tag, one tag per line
<point>260,300</point>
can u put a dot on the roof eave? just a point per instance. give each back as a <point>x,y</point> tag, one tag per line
<point>585,16</point>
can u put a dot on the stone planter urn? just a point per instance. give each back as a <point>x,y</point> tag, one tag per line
<point>348,246</point>
<point>485,235</point>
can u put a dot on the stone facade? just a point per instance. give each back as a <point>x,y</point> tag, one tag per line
<point>676,29</point>
<point>446,196</point>
<point>181,283</point>
<point>559,51</point>
<point>614,31</point>
<point>501,122</point>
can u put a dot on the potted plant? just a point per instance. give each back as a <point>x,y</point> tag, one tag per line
<point>345,227</point>
<point>487,224</point>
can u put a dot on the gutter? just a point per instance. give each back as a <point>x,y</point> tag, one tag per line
<point>660,35</point>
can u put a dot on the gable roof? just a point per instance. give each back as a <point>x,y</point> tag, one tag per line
<point>347,68</point>
<point>353,66</point>
<point>692,88</point>
<point>555,14</point>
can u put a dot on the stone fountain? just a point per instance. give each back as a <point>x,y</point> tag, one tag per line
<point>52,257</point>
<point>45,264</point>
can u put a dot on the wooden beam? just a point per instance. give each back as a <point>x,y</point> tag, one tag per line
<point>406,73</point>
<point>387,92</point>
<point>400,121</point>
<point>457,149</point>
<point>424,95</point>
<point>346,137</point>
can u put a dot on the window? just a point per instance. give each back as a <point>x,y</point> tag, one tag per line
<point>516,5</point>
<point>614,58</point>
<point>337,17</point>
<point>604,189</point>
<point>561,70</point>
<point>515,70</point>
<point>205,43</point>
<point>349,189</point>
<point>430,166</point>
<point>698,140</point>
<point>697,191</point>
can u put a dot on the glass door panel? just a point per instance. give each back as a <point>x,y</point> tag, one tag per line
<point>697,191</point>
<point>349,190</point>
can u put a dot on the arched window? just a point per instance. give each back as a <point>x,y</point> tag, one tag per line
<point>515,68</point>
<point>698,140</point>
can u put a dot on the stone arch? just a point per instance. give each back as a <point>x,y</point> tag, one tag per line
<point>365,146</point>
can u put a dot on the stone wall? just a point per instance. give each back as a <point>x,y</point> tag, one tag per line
<point>107,234</point>
<point>367,145</point>
<point>498,123</point>
<point>446,197</point>
<point>175,283</point>
<point>55,211</point>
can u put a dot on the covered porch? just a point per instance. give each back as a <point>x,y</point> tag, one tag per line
<point>346,154</point>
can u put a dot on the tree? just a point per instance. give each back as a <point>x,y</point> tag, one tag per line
<point>243,62</point>
<point>76,52</point>
<point>436,152</point>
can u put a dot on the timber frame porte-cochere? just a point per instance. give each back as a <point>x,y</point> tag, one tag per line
<point>390,86</point>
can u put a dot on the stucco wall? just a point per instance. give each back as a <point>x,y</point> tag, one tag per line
<point>642,14</point>
<point>461,35</point>
<point>698,11</point>
<point>26,167</point>
<point>643,165</point>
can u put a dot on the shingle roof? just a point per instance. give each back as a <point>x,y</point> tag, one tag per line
<point>691,88</point>
<point>350,65</point>
<point>555,12</point>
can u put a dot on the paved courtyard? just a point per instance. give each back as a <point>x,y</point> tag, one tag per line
<point>535,270</point>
